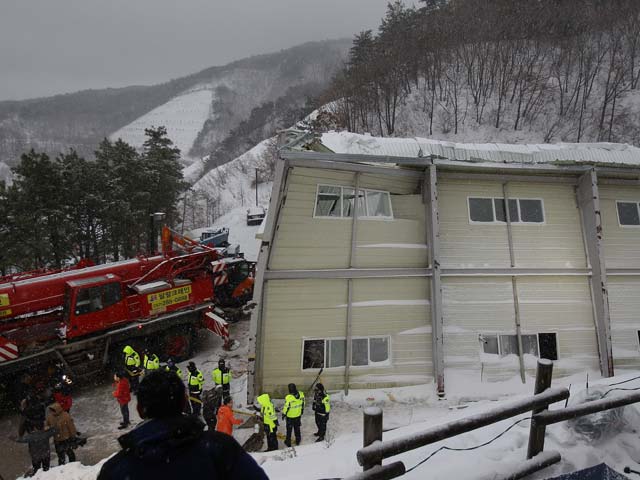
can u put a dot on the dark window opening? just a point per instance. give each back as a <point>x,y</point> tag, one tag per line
<point>548,346</point>
<point>628,213</point>
<point>481,209</point>
<point>313,355</point>
<point>531,211</point>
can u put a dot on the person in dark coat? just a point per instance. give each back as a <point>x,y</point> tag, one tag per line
<point>211,401</point>
<point>33,408</point>
<point>169,444</point>
<point>39,446</point>
<point>321,407</point>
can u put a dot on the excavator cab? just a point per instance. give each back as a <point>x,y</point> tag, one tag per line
<point>93,304</point>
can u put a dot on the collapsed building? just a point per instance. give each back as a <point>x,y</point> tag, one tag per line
<point>390,262</point>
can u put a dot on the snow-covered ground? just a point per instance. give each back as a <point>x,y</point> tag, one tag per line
<point>183,116</point>
<point>407,410</point>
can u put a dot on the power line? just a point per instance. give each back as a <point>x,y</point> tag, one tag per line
<point>469,448</point>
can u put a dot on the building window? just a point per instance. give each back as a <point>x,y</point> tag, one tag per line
<point>628,214</point>
<point>542,345</point>
<point>492,210</point>
<point>339,202</point>
<point>332,352</point>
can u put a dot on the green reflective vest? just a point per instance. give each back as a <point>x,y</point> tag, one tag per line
<point>195,382</point>
<point>293,406</point>
<point>268,411</point>
<point>220,378</point>
<point>151,363</point>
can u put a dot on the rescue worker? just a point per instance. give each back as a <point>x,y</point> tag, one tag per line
<point>211,401</point>
<point>292,413</point>
<point>322,407</point>
<point>150,361</point>
<point>226,420</point>
<point>269,421</point>
<point>222,376</point>
<point>195,382</point>
<point>132,366</point>
<point>172,367</point>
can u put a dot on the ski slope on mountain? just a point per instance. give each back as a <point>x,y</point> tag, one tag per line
<point>183,116</point>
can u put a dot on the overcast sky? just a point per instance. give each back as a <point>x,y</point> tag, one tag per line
<point>58,46</point>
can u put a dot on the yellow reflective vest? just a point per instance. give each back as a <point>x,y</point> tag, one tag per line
<point>268,411</point>
<point>293,407</point>
<point>131,361</point>
<point>326,401</point>
<point>220,378</point>
<point>195,382</point>
<point>151,363</point>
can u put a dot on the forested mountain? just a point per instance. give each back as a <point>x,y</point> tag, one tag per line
<point>199,110</point>
<point>496,70</point>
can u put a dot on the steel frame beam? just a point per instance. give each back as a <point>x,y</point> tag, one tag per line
<point>433,241</point>
<point>256,329</point>
<point>498,177</point>
<point>346,273</point>
<point>588,197</point>
<point>355,167</point>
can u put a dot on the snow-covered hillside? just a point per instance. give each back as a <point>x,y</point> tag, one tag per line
<point>234,181</point>
<point>183,116</point>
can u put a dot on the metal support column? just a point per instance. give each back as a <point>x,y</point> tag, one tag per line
<point>433,241</point>
<point>588,197</point>
<point>352,257</point>
<point>514,284</point>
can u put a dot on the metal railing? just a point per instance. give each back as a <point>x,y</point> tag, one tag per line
<point>375,450</point>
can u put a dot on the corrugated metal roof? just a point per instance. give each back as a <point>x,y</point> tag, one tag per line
<point>591,153</point>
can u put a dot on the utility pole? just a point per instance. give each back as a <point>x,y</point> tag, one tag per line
<point>184,211</point>
<point>256,187</point>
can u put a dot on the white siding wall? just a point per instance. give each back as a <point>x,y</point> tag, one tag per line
<point>557,243</point>
<point>621,244</point>
<point>305,242</point>
<point>560,305</point>
<point>624,307</point>
<point>317,308</point>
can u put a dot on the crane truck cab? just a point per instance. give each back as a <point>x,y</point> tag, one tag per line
<point>93,304</point>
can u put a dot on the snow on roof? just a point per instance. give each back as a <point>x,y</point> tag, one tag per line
<point>591,153</point>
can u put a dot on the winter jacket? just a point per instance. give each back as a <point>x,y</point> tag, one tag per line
<point>64,400</point>
<point>38,440</point>
<point>122,391</point>
<point>211,401</point>
<point>62,422</point>
<point>34,411</point>
<point>267,411</point>
<point>226,420</point>
<point>177,447</point>
<point>321,402</point>
<point>293,405</point>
